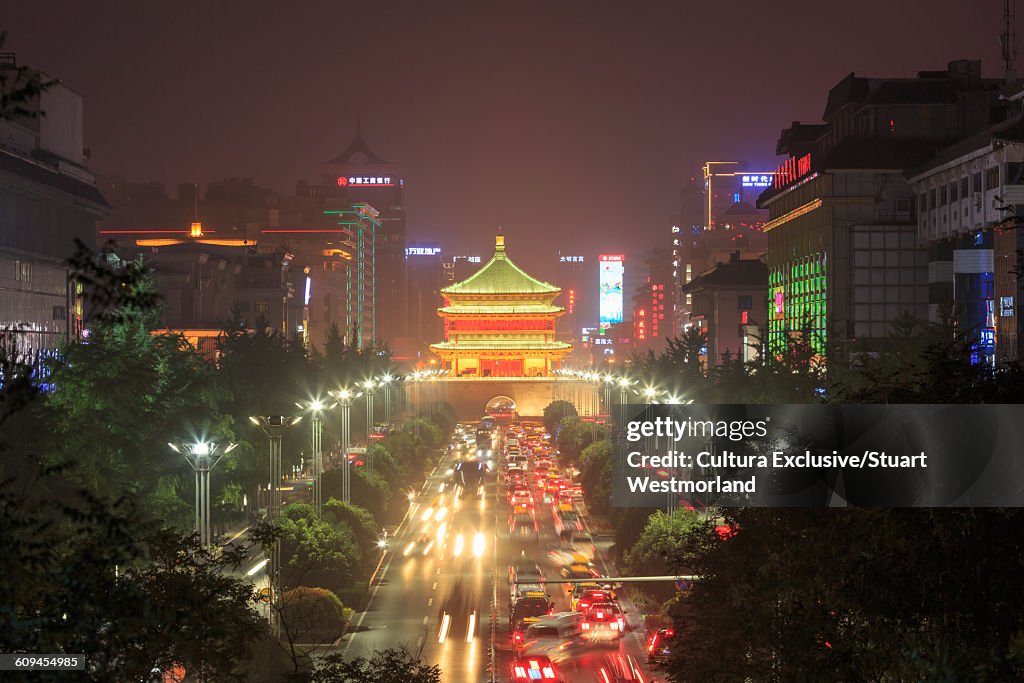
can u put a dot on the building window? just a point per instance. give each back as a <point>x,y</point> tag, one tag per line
<point>931,200</point>
<point>964,188</point>
<point>1014,173</point>
<point>262,307</point>
<point>23,271</point>
<point>953,192</point>
<point>976,182</point>
<point>744,302</point>
<point>922,202</point>
<point>992,178</point>
<point>943,197</point>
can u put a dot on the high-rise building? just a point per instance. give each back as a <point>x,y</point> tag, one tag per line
<point>360,176</point>
<point>969,196</point>
<point>49,199</point>
<point>716,219</point>
<point>424,282</point>
<point>844,255</point>
<point>574,276</point>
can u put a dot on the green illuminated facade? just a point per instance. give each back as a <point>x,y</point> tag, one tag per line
<point>798,301</point>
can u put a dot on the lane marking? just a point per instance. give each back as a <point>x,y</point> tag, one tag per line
<point>425,620</point>
<point>430,602</point>
<point>434,587</point>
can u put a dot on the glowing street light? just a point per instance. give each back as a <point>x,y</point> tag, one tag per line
<point>274,426</point>
<point>345,397</point>
<point>316,408</point>
<point>203,457</point>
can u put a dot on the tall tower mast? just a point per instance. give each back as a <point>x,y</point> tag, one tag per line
<point>1008,39</point>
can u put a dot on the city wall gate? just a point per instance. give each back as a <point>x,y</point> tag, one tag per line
<point>469,396</point>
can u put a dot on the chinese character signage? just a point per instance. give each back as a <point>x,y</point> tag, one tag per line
<point>756,179</point>
<point>570,259</point>
<point>791,170</point>
<point>365,181</point>
<point>1007,309</point>
<point>422,251</point>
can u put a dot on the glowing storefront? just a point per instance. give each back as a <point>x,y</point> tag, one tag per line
<point>500,322</point>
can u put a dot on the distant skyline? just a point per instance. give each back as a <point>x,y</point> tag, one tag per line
<point>570,123</point>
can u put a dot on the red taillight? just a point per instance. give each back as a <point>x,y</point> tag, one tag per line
<point>669,633</point>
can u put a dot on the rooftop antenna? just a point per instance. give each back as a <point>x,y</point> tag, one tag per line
<point>1008,39</point>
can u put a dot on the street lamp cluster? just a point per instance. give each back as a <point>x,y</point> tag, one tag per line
<point>425,381</point>
<point>203,456</point>
<point>583,390</point>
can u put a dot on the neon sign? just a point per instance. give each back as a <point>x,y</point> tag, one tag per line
<point>467,259</point>
<point>756,179</point>
<point>422,251</point>
<point>365,181</point>
<point>570,259</point>
<point>791,170</point>
<point>610,289</point>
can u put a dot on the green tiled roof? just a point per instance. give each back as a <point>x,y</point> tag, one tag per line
<point>500,276</point>
<point>501,345</point>
<point>515,308</point>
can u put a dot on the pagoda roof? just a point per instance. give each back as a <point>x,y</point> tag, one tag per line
<point>501,276</point>
<point>513,308</point>
<point>358,146</point>
<point>502,345</point>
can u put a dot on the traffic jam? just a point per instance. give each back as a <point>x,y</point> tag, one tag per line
<point>566,621</point>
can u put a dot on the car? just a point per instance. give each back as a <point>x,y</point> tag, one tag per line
<point>577,592</point>
<point>420,545</point>
<point>550,635</point>
<point>537,668</point>
<point>523,526</point>
<point>659,647</point>
<point>519,496</point>
<point>580,570</point>
<point>525,571</point>
<point>603,621</point>
<point>527,610</point>
<point>592,596</point>
<point>619,668</point>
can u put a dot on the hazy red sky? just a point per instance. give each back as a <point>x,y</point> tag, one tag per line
<point>574,123</point>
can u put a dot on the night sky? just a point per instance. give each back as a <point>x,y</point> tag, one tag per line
<point>574,123</point>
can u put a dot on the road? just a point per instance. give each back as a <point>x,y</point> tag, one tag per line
<point>445,575</point>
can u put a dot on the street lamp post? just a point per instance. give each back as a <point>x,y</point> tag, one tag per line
<point>385,382</point>
<point>203,457</point>
<point>370,389</point>
<point>274,426</point>
<point>345,398</point>
<point>316,408</point>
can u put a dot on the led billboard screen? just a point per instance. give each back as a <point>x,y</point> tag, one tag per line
<point>610,288</point>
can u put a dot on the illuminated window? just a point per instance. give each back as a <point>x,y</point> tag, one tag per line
<point>261,307</point>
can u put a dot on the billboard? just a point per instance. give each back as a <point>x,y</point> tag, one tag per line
<point>609,299</point>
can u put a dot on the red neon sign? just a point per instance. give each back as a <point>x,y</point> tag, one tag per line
<point>611,257</point>
<point>791,170</point>
<point>342,181</point>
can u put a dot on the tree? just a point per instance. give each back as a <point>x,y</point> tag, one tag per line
<point>364,527</point>
<point>312,615</point>
<point>652,554</point>
<point>555,411</point>
<point>573,436</point>
<point>386,666</point>
<point>19,88</point>
<point>596,476</point>
<point>853,595</point>
<point>315,552</point>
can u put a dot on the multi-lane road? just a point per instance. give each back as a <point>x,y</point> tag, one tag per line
<point>442,588</point>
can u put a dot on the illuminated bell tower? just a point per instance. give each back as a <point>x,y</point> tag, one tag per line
<point>500,322</point>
